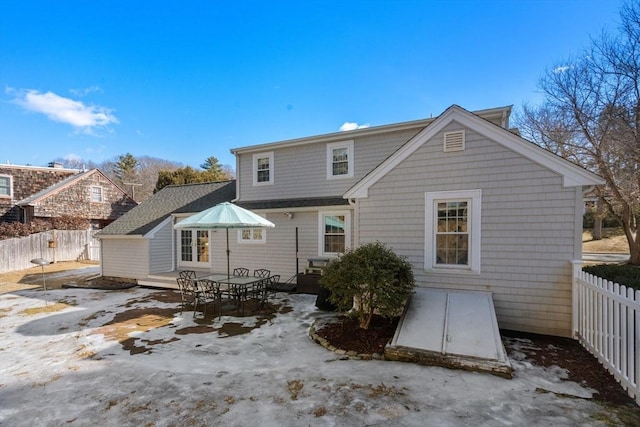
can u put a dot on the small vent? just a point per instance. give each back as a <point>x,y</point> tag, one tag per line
<point>454,141</point>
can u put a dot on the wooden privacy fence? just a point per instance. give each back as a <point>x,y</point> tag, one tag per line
<point>53,245</point>
<point>607,323</point>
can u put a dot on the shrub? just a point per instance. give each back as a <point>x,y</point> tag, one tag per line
<point>374,276</point>
<point>625,274</point>
<point>10,230</point>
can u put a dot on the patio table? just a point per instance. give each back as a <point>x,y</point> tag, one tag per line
<point>237,287</point>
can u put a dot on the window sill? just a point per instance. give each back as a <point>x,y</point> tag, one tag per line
<point>452,271</point>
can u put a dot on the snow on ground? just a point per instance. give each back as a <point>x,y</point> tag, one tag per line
<point>67,367</point>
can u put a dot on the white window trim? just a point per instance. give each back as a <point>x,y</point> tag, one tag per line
<point>101,194</point>
<point>347,232</point>
<point>252,241</point>
<point>10,195</point>
<point>269,155</point>
<point>475,199</point>
<point>332,146</point>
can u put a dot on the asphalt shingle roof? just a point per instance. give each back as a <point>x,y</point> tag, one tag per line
<point>171,199</point>
<point>54,187</point>
<point>294,203</point>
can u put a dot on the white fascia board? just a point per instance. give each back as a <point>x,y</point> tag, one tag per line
<point>120,236</point>
<point>152,233</point>
<point>333,137</point>
<point>572,175</point>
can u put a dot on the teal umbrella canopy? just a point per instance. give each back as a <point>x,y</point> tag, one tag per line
<point>224,215</point>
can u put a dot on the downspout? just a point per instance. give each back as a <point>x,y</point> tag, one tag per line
<point>237,176</point>
<point>174,264</point>
<point>356,215</point>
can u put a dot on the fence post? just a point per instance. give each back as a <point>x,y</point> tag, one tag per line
<point>576,268</point>
<point>637,348</point>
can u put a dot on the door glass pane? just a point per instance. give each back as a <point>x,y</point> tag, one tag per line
<point>203,246</point>
<point>186,249</point>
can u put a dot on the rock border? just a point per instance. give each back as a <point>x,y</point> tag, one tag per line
<point>346,354</point>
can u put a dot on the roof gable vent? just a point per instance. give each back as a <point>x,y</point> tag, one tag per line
<point>454,141</point>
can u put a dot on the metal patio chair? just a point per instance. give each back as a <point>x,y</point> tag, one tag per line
<point>241,271</point>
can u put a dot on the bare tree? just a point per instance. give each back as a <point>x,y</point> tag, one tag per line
<point>146,176</point>
<point>591,116</point>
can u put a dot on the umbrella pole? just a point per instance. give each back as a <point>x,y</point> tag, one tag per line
<point>228,254</point>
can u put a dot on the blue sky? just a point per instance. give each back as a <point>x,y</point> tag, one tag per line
<point>185,80</point>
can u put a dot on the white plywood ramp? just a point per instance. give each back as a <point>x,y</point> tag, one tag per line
<point>456,329</point>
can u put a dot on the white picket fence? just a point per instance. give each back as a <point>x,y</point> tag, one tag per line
<point>54,246</point>
<point>606,318</point>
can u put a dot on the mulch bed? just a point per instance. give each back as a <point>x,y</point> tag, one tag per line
<point>545,351</point>
<point>347,334</point>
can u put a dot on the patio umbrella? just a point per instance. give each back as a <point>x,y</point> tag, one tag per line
<point>225,215</point>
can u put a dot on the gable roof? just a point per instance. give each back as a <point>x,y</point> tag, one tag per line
<point>573,175</point>
<point>59,186</point>
<point>187,198</point>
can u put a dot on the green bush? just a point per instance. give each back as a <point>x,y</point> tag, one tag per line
<point>374,277</point>
<point>627,275</point>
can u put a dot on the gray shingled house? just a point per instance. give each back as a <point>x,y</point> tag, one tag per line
<point>469,203</point>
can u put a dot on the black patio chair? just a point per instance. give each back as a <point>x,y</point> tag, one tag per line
<point>241,271</point>
<point>261,272</point>
<point>210,293</point>
<point>272,287</point>
<point>189,294</point>
<point>187,274</point>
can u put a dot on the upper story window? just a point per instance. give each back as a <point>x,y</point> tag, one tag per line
<point>96,194</point>
<point>340,160</point>
<point>263,168</point>
<point>334,233</point>
<point>452,230</point>
<point>5,186</point>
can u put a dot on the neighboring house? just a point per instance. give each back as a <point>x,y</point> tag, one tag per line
<point>470,204</point>
<point>28,193</point>
<point>143,241</point>
<point>20,182</point>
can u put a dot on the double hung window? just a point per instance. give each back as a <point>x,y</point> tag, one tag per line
<point>452,230</point>
<point>334,232</point>
<point>96,194</point>
<point>340,160</point>
<point>263,168</point>
<point>5,186</point>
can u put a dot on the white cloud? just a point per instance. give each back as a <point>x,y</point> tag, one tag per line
<point>86,91</point>
<point>85,118</point>
<point>352,126</point>
<point>561,69</point>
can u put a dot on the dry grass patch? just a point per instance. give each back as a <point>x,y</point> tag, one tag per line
<point>613,241</point>
<point>46,308</point>
<point>31,278</point>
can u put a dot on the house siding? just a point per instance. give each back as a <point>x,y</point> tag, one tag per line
<point>76,200</point>
<point>278,253</point>
<point>161,250</point>
<point>302,170</point>
<point>522,202</point>
<point>126,258</point>
<point>25,182</point>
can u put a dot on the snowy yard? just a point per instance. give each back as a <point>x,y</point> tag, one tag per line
<point>130,358</point>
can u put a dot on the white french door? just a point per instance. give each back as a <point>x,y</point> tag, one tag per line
<point>193,248</point>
